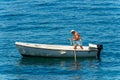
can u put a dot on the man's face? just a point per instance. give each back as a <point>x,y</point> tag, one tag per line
<point>73,32</point>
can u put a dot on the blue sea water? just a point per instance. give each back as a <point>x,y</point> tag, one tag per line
<point>50,22</point>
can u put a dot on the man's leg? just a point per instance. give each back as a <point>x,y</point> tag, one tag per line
<point>81,44</point>
<point>81,47</point>
<point>75,47</point>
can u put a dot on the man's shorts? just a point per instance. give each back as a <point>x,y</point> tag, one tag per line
<point>78,42</point>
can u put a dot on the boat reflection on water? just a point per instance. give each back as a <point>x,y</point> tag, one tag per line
<point>61,62</point>
<point>55,68</point>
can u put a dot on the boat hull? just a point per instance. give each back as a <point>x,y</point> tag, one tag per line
<point>28,49</point>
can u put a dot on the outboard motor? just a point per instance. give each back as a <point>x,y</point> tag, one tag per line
<point>99,47</point>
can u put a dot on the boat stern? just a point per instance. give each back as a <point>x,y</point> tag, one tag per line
<point>97,47</point>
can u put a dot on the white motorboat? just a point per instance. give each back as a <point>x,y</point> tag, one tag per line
<point>47,50</point>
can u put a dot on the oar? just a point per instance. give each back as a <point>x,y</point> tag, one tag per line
<point>71,43</point>
<point>76,65</point>
<point>75,56</point>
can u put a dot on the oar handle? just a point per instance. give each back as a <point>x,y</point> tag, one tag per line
<point>71,41</point>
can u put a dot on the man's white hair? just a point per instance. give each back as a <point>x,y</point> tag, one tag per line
<point>72,31</point>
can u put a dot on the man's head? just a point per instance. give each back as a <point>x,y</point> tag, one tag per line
<point>72,31</point>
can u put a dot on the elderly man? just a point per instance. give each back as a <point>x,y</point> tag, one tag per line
<point>77,39</point>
